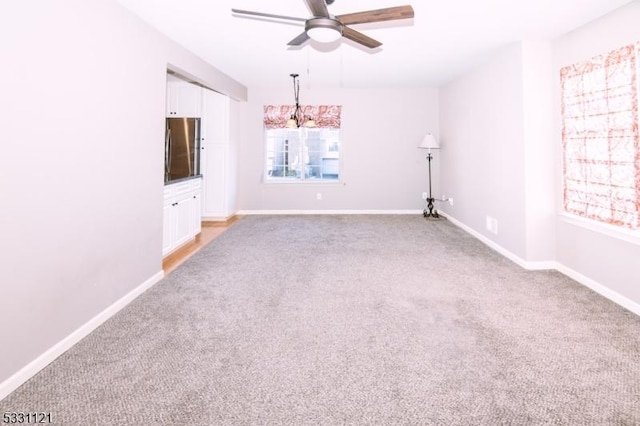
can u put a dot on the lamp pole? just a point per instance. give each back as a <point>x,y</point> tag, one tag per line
<point>428,143</point>
<point>429,211</point>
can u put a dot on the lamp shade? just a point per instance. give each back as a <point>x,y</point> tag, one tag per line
<point>429,142</point>
<point>291,123</point>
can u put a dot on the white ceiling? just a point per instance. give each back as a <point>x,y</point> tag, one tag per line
<point>445,38</point>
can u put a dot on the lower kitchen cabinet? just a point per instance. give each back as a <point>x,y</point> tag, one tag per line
<point>219,185</point>
<point>182,213</point>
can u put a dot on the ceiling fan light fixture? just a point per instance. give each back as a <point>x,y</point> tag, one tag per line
<point>323,30</point>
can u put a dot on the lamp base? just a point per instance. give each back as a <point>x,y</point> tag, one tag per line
<point>430,211</point>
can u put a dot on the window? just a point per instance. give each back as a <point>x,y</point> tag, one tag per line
<point>302,154</point>
<point>600,138</point>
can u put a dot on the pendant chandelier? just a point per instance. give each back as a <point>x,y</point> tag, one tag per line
<point>298,119</point>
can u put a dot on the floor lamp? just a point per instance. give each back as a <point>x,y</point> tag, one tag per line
<point>429,143</point>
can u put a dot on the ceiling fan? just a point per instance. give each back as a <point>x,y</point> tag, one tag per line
<point>326,28</point>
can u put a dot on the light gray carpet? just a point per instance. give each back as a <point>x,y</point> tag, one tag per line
<point>331,320</point>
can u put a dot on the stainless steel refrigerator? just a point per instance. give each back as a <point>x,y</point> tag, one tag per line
<point>181,148</point>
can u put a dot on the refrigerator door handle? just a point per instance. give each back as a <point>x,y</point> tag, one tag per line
<point>196,154</point>
<point>167,154</point>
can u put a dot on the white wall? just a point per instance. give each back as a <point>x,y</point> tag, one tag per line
<point>610,261</point>
<point>501,156</point>
<point>497,148</point>
<point>82,118</point>
<point>482,139</point>
<point>382,167</point>
<point>540,161</point>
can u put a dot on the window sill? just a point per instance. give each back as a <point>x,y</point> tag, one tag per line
<point>302,182</point>
<point>619,233</point>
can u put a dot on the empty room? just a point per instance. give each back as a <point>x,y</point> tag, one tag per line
<point>321,212</point>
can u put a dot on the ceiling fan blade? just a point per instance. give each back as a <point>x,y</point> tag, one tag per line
<point>267,15</point>
<point>318,8</point>
<point>299,39</point>
<point>388,14</point>
<point>358,37</point>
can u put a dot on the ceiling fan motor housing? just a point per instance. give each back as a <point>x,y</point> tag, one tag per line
<point>328,23</point>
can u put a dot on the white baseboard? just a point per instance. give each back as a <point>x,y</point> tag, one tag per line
<point>31,369</point>
<point>216,218</point>
<point>328,212</point>
<point>534,266</point>
<point>601,289</point>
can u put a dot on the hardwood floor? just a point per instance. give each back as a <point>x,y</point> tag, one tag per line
<point>210,230</point>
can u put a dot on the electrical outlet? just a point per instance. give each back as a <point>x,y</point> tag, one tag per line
<point>424,196</point>
<point>318,196</point>
<point>492,225</point>
<point>450,201</point>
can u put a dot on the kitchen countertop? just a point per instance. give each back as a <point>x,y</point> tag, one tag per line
<point>171,182</point>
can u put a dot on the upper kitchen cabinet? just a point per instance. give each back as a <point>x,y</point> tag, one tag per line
<point>216,124</point>
<point>183,99</point>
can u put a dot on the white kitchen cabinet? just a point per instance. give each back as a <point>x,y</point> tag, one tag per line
<point>215,170</point>
<point>182,222</point>
<point>182,214</point>
<point>215,117</point>
<point>183,99</point>
<point>195,208</point>
<point>219,131</point>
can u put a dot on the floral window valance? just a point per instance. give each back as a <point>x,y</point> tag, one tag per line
<point>325,116</point>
